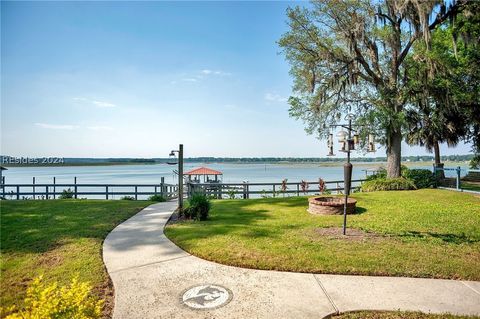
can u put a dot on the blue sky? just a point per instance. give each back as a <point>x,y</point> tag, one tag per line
<point>134,79</point>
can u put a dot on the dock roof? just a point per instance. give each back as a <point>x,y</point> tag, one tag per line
<point>203,171</point>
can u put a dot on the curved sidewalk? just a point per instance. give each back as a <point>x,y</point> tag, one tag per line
<point>150,275</point>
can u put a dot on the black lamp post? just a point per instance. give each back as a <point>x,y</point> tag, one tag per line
<point>180,173</point>
<point>348,142</point>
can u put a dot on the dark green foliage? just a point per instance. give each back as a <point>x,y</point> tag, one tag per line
<point>422,178</point>
<point>388,184</point>
<point>157,198</point>
<point>66,194</point>
<point>380,174</point>
<point>475,162</point>
<point>127,198</point>
<point>198,207</point>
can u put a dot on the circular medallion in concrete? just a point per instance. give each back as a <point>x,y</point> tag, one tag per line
<point>206,297</point>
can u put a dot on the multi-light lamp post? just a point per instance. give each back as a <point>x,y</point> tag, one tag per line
<point>348,140</point>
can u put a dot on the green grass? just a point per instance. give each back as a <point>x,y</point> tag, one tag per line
<point>394,315</point>
<point>424,233</point>
<point>58,239</point>
<point>470,186</point>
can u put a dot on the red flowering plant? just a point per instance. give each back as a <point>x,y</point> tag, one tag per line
<point>284,187</point>
<point>321,185</point>
<point>304,186</point>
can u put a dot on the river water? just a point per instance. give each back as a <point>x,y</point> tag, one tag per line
<point>151,174</point>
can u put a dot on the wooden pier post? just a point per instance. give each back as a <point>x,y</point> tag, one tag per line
<point>75,182</point>
<point>162,187</point>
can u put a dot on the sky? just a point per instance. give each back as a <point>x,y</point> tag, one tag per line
<point>135,79</point>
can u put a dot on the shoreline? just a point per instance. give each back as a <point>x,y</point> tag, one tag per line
<point>306,163</point>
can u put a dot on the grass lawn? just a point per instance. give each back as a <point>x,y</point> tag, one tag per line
<point>57,238</point>
<point>394,315</point>
<point>470,186</point>
<point>423,233</point>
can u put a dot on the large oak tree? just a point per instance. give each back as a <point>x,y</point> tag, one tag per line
<point>349,56</point>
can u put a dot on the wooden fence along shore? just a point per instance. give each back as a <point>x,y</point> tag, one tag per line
<point>107,191</point>
<point>243,190</point>
<point>218,190</point>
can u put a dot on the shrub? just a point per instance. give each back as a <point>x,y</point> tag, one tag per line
<point>50,301</point>
<point>475,162</point>
<point>66,194</point>
<point>422,178</point>
<point>404,170</point>
<point>231,194</point>
<point>127,198</point>
<point>382,173</point>
<point>157,198</point>
<point>388,184</point>
<point>198,207</point>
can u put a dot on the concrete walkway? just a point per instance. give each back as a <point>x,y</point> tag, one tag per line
<point>150,275</point>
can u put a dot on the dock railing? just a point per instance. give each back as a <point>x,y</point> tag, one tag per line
<point>76,190</point>
<point>220,190</point>
<point>457,178</point>
<point>246,190</point>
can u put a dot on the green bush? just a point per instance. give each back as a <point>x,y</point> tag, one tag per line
<point>388,184</point>
<point>198,207</point>
<point>379,174</point>
<point>422,178</point>
<point>157,198</point>
<point>475,162</point>
<point>66,194</point>
<point>127,198</point>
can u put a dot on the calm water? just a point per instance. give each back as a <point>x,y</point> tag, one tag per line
<point>151,174</point>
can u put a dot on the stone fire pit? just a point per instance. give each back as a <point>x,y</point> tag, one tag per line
<point>330,205</point>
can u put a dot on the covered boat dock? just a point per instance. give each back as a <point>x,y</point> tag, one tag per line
<point>209,175</point>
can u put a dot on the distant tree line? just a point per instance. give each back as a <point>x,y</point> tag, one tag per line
<point>119,161</point>
<point>426,158</point>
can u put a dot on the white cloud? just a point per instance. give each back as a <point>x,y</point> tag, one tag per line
<point>201,75</point>
<point>215,72</point>
<point>102,104</point>
<point>100,128</point>
<point>273,97</point>
<point>56,126</point>
<point>222,73</point>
